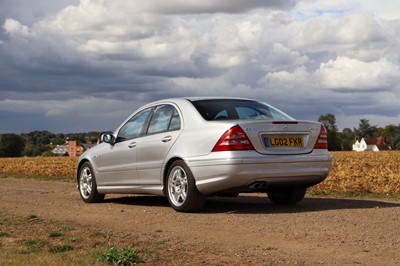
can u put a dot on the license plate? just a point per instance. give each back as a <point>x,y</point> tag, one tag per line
<point>283,141</point>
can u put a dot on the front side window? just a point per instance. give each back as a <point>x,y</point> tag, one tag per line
<point>165,118</point>
<point>134,127</point>
<point>236,109</point>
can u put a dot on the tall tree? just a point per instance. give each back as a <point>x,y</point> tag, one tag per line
<point>365,130</point>
<point>348,139</point>
<point>329,121</point>
<point>37,142</point>
<point>334,139</point>
<point>391,133</point>
<point>11,145</point>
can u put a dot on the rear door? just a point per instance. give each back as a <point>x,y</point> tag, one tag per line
<point>152,149</point>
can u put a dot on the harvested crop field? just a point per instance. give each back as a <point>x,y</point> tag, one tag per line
<point>367,172</point>
<point>375,172</point>
<point>41,166</point>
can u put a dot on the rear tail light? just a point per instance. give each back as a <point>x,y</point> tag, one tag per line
<point>322,141</point>
<point>233,140</point>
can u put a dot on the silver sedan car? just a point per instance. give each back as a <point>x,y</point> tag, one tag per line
<point>189,148</point>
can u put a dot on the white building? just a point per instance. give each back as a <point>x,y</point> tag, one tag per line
<point>60,150</point>
<point>371,144</point>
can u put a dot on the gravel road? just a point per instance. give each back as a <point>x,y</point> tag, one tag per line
<point>247,230</point>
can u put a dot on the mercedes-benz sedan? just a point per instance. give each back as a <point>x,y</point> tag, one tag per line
<point>190,148</point>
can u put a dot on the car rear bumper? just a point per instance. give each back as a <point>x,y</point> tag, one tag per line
<point>241,173</point>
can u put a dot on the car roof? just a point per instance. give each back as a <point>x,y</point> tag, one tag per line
<point>193,99</point>
<point>217,98</point>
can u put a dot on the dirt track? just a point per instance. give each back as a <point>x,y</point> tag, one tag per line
<point>247,230</point>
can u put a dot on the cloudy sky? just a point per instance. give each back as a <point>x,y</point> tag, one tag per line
<point>77,66</point>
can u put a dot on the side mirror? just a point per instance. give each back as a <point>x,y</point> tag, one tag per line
<point>108,138</point>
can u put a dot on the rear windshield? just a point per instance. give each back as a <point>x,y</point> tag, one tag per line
<point>231,109</point>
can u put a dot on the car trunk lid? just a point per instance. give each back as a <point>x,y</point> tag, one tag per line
<point>282,137</point>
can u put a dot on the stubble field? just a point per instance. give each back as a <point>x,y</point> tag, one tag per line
<point>365,172</point>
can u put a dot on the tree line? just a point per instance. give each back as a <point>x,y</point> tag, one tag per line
<point>343,141</point>
<point>41,143</point>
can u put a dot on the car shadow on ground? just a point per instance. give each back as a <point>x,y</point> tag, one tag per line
<point>248,204</point>
<point>259,204</point>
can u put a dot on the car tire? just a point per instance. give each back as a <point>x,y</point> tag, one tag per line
<point>181,189</point>
<point>286,195</point>
<point>87,185</point>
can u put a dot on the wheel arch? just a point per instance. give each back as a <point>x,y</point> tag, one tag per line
<point>78,169</point>
<point>166,169</point>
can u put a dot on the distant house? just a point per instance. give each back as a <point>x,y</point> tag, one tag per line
<point>60,150</point>
<point>72,147</point>
<point>371,144</point>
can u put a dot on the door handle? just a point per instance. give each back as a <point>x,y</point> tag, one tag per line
<point>132,145</point>
<point>166,139</point>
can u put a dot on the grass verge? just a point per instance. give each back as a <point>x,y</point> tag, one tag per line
<point>39,177</point>
<point>32,240</point>
<point>351,194</point>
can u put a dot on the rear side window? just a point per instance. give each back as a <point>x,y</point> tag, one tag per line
<point>232,109</point>
<point>165,118</point>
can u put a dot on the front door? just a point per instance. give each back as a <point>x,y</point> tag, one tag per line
<point>117,164</point>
